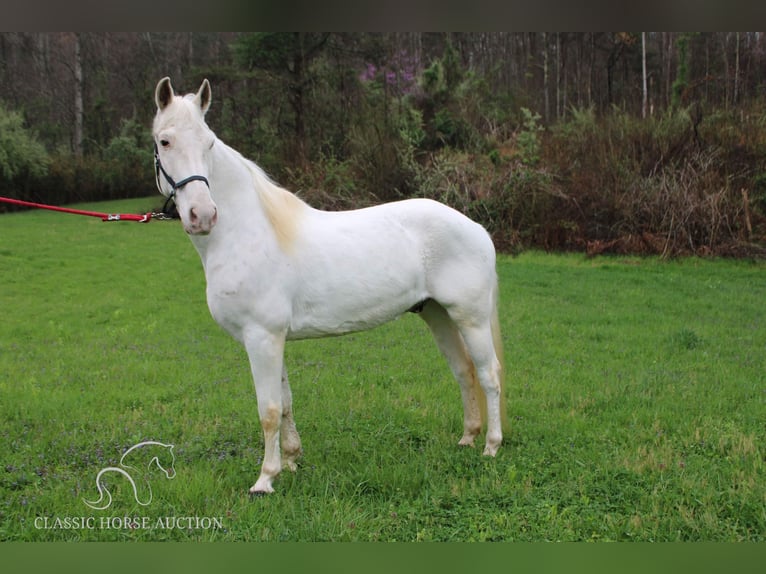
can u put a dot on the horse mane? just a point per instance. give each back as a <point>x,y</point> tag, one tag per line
<point>282,208</point>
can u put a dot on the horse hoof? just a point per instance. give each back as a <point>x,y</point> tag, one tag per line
<point>491,450</point>
<point>257,494</point>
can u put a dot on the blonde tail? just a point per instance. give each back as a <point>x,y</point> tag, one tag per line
<point>497,340</point>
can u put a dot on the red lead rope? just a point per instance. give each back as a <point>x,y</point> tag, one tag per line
<point>104,216</point>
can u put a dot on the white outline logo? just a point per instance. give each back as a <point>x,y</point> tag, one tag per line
<point>105,497</point>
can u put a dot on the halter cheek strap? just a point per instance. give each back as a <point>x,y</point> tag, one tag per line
<point>158,169</point>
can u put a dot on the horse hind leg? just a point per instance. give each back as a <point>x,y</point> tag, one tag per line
<point>290,440</point>
<point>452,347</point>
<point>480,341</point>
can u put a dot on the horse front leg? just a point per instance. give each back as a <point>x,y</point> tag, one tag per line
<point>265,351</point>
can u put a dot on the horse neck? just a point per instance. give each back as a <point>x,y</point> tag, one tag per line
<point>241,213</point>
<point>250,205</point>
<point>232,183</point>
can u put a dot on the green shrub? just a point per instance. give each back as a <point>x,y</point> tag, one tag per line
<point>528,140</point>
<point>122,169</point>
<point>20,152</point>
<point>516,204</point>
<point>127,161</point>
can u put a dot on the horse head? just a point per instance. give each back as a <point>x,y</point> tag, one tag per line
<point>182,143</point>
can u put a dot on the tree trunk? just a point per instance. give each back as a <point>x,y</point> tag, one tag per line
<point>645,95</point>
<point>296,99</point>
<point>726,70</point>
<point>546,106</point>
<point>78,90</point>
<point>558,76</point>
<point>736,69</point>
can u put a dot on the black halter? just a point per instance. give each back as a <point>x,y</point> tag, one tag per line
<point>158,169</point>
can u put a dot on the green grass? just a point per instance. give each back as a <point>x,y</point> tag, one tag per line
<point>636,390</point>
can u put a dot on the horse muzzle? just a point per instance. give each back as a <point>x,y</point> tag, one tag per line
<point>201,219</point>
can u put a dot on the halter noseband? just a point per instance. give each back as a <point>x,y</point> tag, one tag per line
<point>158,169</point>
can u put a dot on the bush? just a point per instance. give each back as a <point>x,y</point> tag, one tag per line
<point>512,201</point>
<point>124,168</point>
<point>687,207</point>
<point>22,157</point>
<point>528,140</point>
<point>327,184</point>
<point>127,160</point>
<point>672,184</point>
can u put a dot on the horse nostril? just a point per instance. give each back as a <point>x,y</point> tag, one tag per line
<point>193,217</point>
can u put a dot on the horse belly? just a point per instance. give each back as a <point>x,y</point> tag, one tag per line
<point>317,325</point>
<point>357,290</point>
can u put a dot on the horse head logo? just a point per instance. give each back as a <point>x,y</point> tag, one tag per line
<point>158,454</point>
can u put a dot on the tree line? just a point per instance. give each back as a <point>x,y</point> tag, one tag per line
<point>598,141</point>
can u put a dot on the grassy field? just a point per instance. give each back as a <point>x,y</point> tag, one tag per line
<point>636,390</point>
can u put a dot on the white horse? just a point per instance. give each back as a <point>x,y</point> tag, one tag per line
<point>278,269</point>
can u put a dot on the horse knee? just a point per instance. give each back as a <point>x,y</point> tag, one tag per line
<point>271,419</point>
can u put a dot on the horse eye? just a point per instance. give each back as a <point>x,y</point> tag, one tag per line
<point>164,143</point>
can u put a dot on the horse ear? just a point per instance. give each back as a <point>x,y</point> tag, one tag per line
<point>204,96</point>
<point>163,94</point>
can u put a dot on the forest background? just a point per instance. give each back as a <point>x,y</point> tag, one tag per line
<point>647,142</point>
